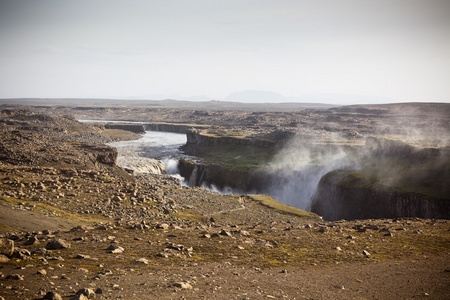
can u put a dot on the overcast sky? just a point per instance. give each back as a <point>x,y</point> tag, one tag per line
<point>397,49</point>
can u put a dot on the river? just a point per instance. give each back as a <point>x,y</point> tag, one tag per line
<point>159,145</point>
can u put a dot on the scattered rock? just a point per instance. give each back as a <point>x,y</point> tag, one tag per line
<point>6,247</point>
<point>32,241</point>
<point>79,297</point>
<point>141,261</point>
<point>115,249</point>
<point>225,233</point>
<point>162,226</point>
<point>21,253</point>
<point>86,292</point>
<point>15,277</point>
<point>3,258</point>
<point>42,272</point>
<point>322,229</point>
<point>182,285</point>
<point>163,255</point>
<point>57,244</point>
<point>52,296</point>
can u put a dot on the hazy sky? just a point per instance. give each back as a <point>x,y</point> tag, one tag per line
<point>399,49</point>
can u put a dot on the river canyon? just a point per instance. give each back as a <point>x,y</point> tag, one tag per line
<point>294,164</point>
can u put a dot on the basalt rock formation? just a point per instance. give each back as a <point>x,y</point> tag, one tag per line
<point>341,194</point>
<point>136,128</point>
<point>395,180</point>
<point>214,174</point>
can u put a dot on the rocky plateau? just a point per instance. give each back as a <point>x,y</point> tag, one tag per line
<point>74,225</point>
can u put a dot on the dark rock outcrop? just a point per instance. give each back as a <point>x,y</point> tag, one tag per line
<point>136,128</point>
<point>199,174</point>
<point>342,194</point>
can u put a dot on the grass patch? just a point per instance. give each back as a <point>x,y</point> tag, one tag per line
<point>47,208</point>
<point>225,133</point>
<point>122,134</point>
<point>281,207</point>
<point>242,157</point>
<point>190,215</point>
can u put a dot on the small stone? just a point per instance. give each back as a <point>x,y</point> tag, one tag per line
<point>32,241</point>
<point>99,291</point>
<point>86,292</point>
<point>366,253</point>
<point>79,297</point>
<point>82,256</point>
<point>373,227</point>
<point>162,226</point>
<point>83,270</point>
<point>115,249</point>
<point>182,285</point>
<point>141,261</point>
<point>52,296</point>
<point>15,277</point>
<point>21,253</point>
<point>323,229</point>
<point>117,199</point>
<point>57,244</point>
<point>338,248</point>
<point>339,286</point>
<point>42,272</point>
<point>6,247</point>
<point>225,233</point>
<point>3,258</point>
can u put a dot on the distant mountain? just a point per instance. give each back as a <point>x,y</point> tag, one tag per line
<point>253,96</point>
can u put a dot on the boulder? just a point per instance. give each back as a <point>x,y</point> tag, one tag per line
<point>6,247</point>
<point>57,244</point>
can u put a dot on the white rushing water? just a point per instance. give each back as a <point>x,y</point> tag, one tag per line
<point>154,145</point>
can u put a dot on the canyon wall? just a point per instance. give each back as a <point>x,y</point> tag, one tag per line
<point>342,194</point>
<point>136,128</point>
<point>210,174</point>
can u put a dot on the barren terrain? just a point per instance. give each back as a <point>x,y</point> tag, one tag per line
<point>73,222</point>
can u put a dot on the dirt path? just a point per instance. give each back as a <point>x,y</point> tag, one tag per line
<point>413,278</point>
<point>24,220</point>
